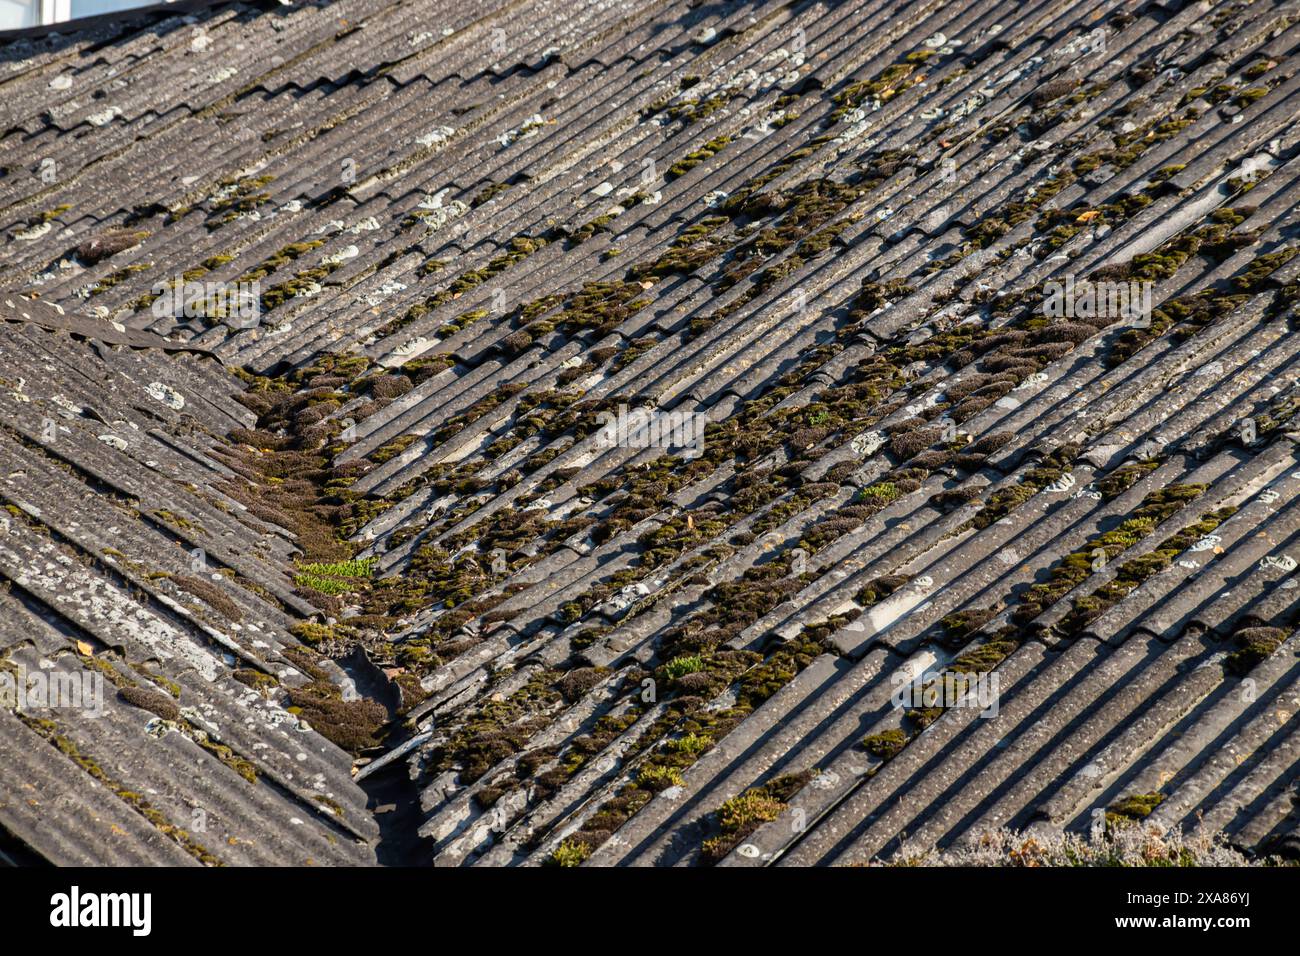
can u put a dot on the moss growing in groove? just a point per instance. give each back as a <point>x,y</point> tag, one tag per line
<point>210,594</point>
<point>1132,574</point>
<point>354,725</point>
<point>155,702</point>
<point>1005,500</point>
<point>695,246</point>
<point>1137,806</point>
<point>170,686</point>
<point>1125,477</point>
<point>657,777</point>
<point>880,588</point>
<point>110,672</point>
<point>779,435</point>
<point>740,816</point>
<point>488,193</point>
<point>1188,314</point>
<point>802,213</point>
<point>282,256</point>
<point>50,732</point>
<point>570,852</point>
<point>960,625</point>
<point>689,715</point>
<point>118,277</point>
<point>394,448</point>
<point>982,659</point>
<point>681,666</point>
<point>695,157</point>
<point>923,717</point>
<point>109,243</point>
<point>1254,645</point>
<point>515,251</point>
<point>887,744</point>
<point>235,197</point>
<point>1246,97</point>
<point>497,729</point>
<point>49,215</point>
<point>691,744</point>
<point>887,84</point>
<point>1076,567</point>
<point>335,577</point>
<point>696,109</point>
<point>260,681</point>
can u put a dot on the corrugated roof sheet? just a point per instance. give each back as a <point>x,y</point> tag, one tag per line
<point>826,229</point>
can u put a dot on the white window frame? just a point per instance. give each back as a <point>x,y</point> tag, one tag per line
<point>49,12</point>
<point>55,11</point>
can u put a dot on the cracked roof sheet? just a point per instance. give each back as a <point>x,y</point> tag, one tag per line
<point>378,529</point>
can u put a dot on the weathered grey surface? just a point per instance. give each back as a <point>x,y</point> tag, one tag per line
<point>978,150</point>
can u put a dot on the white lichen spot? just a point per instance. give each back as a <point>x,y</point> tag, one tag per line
<point>162,392</point>
<point>104,117</point>
<point>32,233</point>
<point>435,136</point>
<point>343,255</point>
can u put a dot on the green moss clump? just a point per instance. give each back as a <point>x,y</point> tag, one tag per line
<point>515,251</point>
<point>656,777</point>
<point>571,852</point>
<point>1075,567</point>
<point>691,744</point>
<point>693,248</point>
<point>695,157</point>
<point>680,666</point>
<point>887,84</point>
<point>235,197</point>
<point>49,215</point>
<point>118,277</point>
<point>394,448</point>
<point>1137,806</point>
<point>882,492</point>
<point>1254,645</point>
<point>170,686</point>
<point>740,816</point>
<point>985,657</point>
<point>876,590</point>
<point>499,728</point>
<point>887,744</point>
<point>1005,500</point>
<point>1132,574</point>
<point>260,681</point>
<point>335,577</point>
<point>1246,97</point>
<point>1124,478</point>
<point>960,625</point>
<point>282,256</point>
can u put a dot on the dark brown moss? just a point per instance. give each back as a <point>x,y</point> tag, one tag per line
<point>1254,645</point>
<point>110,243</point>
<point>153,701</point>
<point>355,725</point>
<point>887,744</point>
<point>211,595</point>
